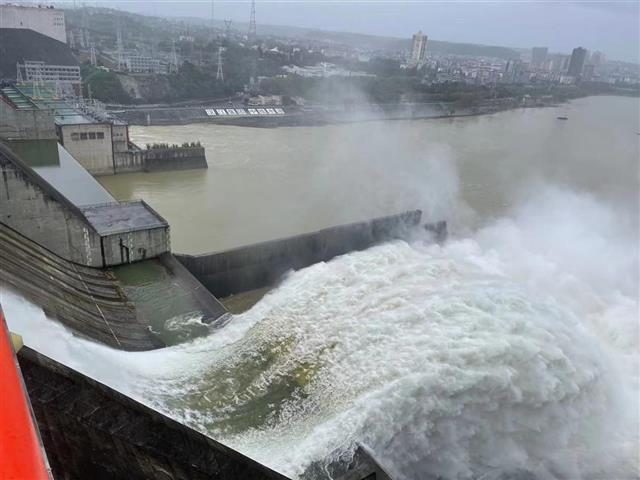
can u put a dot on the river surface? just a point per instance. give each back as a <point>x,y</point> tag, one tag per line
<point>270,183</point>
<point>510,351</point>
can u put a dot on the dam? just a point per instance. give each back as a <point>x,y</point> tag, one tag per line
<point>102,268</point>
<point>497,354</point>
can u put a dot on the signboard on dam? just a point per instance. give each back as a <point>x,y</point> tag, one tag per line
<point>243,112</point>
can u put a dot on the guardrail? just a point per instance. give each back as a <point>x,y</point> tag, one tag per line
<point>21,453</point>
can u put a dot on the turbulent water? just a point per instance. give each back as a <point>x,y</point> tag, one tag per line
<point>510,350</point>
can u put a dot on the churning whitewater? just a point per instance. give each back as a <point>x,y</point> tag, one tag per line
<point>509,352</point>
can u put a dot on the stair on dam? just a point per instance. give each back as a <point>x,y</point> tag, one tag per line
<point>90,301</point>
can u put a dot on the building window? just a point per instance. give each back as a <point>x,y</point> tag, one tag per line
<point>75,136</point>
<point>100,135</point>
<point>92,135</point>
<point>83,136</point>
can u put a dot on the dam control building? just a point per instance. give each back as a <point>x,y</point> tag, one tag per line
<point>46,20</point>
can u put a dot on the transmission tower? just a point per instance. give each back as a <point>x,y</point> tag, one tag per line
<point>252,21</point>
<point>85,40</point>
<point>58,89</point>
<point>219,73</point>
<point>38,80</point>
<point>92,55</point>
<point>173,66</point>
<point>72,40</point>
<point>121,63</point>
<point>19,78</point>
<point>227,28</point>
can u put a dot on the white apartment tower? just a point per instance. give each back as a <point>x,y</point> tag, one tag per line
<point>419,49</point>
<point>46,20</point>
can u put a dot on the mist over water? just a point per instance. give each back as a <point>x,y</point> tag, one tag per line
<point>509,351</point>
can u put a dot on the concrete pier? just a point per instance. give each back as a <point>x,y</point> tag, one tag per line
<point>260,265</point>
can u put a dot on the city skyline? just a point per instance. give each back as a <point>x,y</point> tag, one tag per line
<point>523,25</point>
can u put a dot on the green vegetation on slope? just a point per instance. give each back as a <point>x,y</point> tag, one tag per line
<point>104,85</point>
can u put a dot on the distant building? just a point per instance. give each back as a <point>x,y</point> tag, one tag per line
<point>538,56</point>
<point>559,63</point>
<point>513,71</point>
<point>323,69</point>
<point>588,71</point>
<point>32,56</point>
<point>576,64</point>
<point>419,49</point>
<point>48,21</point>
<point>143,64</point>
<point>597,59</point>
<point>34,71</point>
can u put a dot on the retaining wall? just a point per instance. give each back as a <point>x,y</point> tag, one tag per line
<point>87,300</point>
<point>36,210</point>
<point>256,266</point>
<point>25,124</point>
<point>182,158</point>
<point>91,431</point>
<point>159,159</point>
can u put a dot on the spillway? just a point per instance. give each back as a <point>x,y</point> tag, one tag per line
<point>88,300</point>
<point>455,361</point>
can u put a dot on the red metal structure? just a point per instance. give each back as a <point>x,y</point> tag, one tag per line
<point>21,454</point>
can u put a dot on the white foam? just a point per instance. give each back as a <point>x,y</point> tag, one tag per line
<point>513,348</point>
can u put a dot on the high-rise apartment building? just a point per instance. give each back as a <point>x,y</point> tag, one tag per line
<point>576,64</point>
<point>419,49</point>
<point>538,56</point>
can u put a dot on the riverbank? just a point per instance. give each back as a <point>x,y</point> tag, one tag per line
<point>237,114</point>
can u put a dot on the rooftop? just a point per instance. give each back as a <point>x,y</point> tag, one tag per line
<point>112,218</point>
<point>24,96</point>
<point>55,164</point>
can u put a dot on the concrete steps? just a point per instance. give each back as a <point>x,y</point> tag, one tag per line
<point>87,300</point>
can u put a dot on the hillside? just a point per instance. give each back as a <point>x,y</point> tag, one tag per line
<point>20,44</point>
<point>372,42</point>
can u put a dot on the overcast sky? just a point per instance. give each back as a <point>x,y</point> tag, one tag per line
<point>612,27</point>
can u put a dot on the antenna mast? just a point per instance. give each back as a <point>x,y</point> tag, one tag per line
<point>252,21</point>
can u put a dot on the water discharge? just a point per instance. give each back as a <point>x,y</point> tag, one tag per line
<point>512,350</point>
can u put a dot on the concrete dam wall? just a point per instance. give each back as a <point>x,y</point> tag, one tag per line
<point>256,266</point>
<point>37,210</point>
<point>87,300</point>
<point>91,431</point>
<point>183,158</point>
<point>159,159</point>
